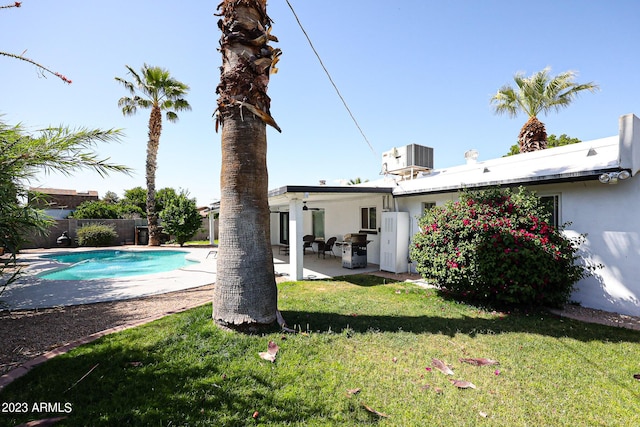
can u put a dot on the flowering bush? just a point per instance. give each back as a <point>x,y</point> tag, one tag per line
<point>497,246</point>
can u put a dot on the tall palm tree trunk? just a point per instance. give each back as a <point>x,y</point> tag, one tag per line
<point>245,295</point>
<point>155,128</point>
<point>533,136</point>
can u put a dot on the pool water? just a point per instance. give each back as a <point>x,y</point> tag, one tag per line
<point>105,264</point>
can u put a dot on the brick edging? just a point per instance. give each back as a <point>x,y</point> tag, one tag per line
<point>24,368</point>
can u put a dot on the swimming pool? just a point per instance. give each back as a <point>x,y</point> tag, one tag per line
<point>103,264</point>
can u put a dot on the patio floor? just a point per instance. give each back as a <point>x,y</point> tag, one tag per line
<point>318,267</point>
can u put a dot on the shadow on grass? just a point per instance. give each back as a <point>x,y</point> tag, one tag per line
<point>366,280</point>
<point>193,375</point>
<point>541,323</point>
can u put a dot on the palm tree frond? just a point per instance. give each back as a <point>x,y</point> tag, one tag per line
<point>181,105</point>
<point>172,116</point>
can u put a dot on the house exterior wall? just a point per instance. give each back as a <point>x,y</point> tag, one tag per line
<point>343,217</point>
<point>63,199</point>
<point>608,215</point>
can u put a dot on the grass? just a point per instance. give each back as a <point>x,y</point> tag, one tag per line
<point>356,334</point>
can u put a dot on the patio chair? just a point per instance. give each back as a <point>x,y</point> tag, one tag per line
<point>324,247</point>
<point>307,242</point>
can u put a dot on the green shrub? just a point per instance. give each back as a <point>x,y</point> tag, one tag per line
<point>97,235</point>
<point>497,246</point>
<point>180,217</point>
<point>95,209</point>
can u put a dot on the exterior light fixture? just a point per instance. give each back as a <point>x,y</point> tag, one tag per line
<point>604,178</point>
<point>613,177</point>
<point>304,206</point>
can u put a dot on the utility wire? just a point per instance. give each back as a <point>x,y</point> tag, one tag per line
<point>330,79</point>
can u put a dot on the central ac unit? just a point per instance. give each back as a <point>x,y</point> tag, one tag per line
<point>412,156</point>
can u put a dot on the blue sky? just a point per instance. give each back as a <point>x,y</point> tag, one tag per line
<point>413,71</point>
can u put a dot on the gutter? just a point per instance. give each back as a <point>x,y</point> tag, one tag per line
<point>547,179</point>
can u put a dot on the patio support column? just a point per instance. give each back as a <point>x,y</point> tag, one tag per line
<point>295,239</point>
<point>212,231</point>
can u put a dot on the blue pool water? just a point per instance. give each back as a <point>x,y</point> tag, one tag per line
<point>105,264</point>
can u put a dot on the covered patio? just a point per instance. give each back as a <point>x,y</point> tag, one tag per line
<point>315,267</point>
<point>324,211</point>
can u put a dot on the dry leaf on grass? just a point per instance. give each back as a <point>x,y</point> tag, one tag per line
<point>439,365</point>
<point>42,423</point>
<point>373,411</point>
<point>462,384</point>
<point>352,391</point>
<point>270,354</point>
<point>428,386</point>
<point>481,361</point>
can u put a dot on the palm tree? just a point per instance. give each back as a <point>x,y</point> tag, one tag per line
<point>154,88</point>
<point>355,181</point>
<point>245,295</point>
<point>22,156</point>
<point>537,94</point>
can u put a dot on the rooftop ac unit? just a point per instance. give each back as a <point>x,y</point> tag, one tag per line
<point>410,157</point>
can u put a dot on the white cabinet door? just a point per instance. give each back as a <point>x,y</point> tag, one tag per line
<point>394,242</point>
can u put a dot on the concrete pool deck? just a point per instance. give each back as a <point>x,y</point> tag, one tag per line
<point>33,292</point>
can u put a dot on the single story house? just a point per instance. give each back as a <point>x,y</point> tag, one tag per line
<point>591,184</point>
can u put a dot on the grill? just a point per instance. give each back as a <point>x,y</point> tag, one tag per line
<point>354,250</point>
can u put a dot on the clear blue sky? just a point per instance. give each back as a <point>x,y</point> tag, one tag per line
<point>413,71</point>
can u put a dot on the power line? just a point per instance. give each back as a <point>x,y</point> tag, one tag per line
<point>330,79</point>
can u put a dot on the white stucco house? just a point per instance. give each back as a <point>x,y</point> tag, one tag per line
<point>591,184</point>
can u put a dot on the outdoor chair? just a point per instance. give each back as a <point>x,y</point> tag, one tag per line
<point>324,247</point>
<point>307,242</point>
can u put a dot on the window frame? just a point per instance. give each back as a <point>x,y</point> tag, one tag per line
<point>556,214</point>
<point>367,228</point>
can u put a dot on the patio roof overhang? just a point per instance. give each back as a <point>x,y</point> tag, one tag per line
<point>313,193</point>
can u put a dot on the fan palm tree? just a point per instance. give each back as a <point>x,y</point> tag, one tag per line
<point>153,88</point>
<point>245,295</point>
<point>537,94</point>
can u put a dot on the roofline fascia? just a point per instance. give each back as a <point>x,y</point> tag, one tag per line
<point>548,179</point>
<point>328,189</point>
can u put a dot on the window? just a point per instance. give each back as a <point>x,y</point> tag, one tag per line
<point>552,204</point>
<point>426,206</point>
<point>284,228</point>
<point>368,219</point>
<point>317,223</point>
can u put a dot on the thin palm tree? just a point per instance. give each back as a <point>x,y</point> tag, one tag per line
<point>537,94</point>
<point>153,88</point>
<point>245,295</point>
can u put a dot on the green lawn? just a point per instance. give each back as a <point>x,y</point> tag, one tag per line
<point>377,338</point>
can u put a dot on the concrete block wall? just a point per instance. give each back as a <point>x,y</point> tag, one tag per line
<point>125,228</point>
